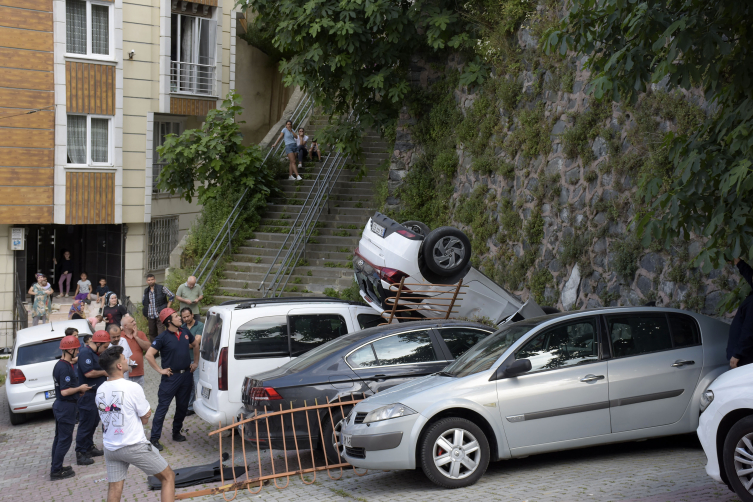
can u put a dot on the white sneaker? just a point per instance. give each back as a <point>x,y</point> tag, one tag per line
<point>300,165</point>
<point>291,178</point>
<point>299,178</point>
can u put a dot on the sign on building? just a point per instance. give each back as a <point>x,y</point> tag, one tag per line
<point>17,239</point>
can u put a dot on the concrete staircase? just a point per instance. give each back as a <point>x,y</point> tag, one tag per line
<point>327,262</point>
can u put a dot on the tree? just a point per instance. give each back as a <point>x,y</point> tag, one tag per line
<point>629,44</point>
<point>207,161</point>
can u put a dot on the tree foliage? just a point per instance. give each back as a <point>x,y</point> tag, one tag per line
<point>688,44</point>
<point>200,162</point>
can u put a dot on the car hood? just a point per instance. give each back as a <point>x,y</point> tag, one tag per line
<point>403,392</point>
<point>737,377</point>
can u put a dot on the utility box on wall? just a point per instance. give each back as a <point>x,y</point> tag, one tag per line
<point>17,239</point>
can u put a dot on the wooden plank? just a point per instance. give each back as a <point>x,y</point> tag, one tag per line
<point>29,138</point>
<point>26,157</point>
<point>25,39</point>
<point>31,176</point>
<point>26,79</point>
<point>68,208</point>
<point>111,90</point>
<point>92,88</point>
<point>20,215</point>
<point>10,117</point>
<point>78,72</point>
<point>26,19</point>
<point>26,60</point>
<point>22,196</point>
<point>43,5</point>
<point>95,196</point>
<point>26,99</point>
<point>110,197</point>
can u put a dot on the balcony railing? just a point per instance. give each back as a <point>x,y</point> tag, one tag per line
<point>192,78</point>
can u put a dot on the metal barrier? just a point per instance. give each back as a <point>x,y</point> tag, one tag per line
<point>223,241</point>
<point>435,301</point>
<point>292,462</point>
<point>303,225</point>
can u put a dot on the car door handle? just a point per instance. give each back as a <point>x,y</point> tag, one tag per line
<point>680,363</point>
<point>592,378</point>
<point>380,378</point>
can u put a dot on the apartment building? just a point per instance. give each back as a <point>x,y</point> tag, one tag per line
<point>88,90</point>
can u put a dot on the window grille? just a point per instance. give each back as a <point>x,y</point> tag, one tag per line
<point>161,129</point>
<point>163,237</point>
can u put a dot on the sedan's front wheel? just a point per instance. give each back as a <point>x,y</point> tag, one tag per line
<point>454,453</point>
<point>738,458</point>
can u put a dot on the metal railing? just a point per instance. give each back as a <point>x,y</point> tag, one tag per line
<point>222,242</point>
<point>303,226</point>
<point>192,78</point>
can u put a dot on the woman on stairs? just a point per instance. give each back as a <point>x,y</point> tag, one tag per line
<point>291,148</point>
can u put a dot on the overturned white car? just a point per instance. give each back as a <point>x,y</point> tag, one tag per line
<point>428,263</point>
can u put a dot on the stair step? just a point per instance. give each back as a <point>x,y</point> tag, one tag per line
<point>261,269</point>
<point>364,212</point>
<point>253,282</point>
<point>311,252</point>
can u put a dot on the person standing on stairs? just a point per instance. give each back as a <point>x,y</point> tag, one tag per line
<point>301,141</point>
<point>291,148</point>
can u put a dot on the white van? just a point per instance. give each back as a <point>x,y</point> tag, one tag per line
<point>251,336</point>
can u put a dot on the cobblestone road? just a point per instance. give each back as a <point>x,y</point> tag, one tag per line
<point>661,470</point>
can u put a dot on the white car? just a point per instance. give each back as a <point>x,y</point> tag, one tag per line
<point>390,251</point>
<point>725,429</point>
<point>29,384</point>
<point>251,336</point>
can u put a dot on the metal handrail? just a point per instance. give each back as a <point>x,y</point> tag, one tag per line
<point>22,316</point>
<point>227,232</point>
<point>308,216</point>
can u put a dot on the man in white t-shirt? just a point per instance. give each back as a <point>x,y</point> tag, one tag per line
<point>116,339</point>
<point>124,411</point>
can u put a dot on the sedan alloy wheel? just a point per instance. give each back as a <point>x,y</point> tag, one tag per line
<point>456,453</point>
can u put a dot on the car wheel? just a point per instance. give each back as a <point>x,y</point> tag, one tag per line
<point>454,453</point>
<point>447,250</point>
<point>550,310</point>
<point>416,227</point>
<point>737,457</point>
<point>331,438</point>
<point>16,418</point>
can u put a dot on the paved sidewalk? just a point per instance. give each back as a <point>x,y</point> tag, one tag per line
<point>661,470</point>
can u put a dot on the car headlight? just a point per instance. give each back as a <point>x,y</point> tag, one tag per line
<point>706,398</point>
<point>386,412</point>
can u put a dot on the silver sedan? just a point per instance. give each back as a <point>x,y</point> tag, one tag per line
<point>550,383</point>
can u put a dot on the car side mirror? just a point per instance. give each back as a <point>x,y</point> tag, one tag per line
<point>518,368</point>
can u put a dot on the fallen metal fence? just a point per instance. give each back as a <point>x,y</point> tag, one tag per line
<point>435,301</point>
<point>295,463</point>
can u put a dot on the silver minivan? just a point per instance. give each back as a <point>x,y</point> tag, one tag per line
<point>251,336</point>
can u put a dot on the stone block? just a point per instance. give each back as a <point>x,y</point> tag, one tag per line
<point>554,166</point>
<point>570,291</point>
<point>573,176</point>
<point>559,128</point>
<point>554,266</point>
<point>599,147</point>
<point>652,263</point>
<point>644,284</point>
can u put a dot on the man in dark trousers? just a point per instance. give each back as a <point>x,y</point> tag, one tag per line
<point>740,342</point>
<point>177,380</point>
<point>90,373</point>
<point>67,391</point>
<point>156,298</point>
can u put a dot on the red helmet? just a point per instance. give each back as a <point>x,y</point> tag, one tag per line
<point>166,312</point>
<point>101,336</point>
<point>69,342</point>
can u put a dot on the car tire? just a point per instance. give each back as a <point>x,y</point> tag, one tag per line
<point>739,436</point>
<point>16,418</point>
<point>550,310</point>
<point>447,251</point>
<point>329,442</point>
<point>457,474</point>
<point>416,227</point>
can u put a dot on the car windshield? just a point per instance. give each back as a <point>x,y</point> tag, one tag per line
<point>481,356</point>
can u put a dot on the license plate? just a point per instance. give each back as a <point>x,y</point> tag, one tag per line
<point>377,229</point>
<point>205,392</point>
<point>346,440</point>
<point>50,394</point>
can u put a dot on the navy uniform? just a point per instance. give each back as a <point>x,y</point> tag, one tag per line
<point>88,360</point>
<point>174,351</point>
<point>64,409</point>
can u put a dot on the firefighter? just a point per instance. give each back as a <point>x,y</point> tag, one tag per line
<point>90,373</point>
<point>67,391</point>
<point>177,381</point>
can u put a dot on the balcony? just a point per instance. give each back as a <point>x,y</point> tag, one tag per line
<point>190,78</point>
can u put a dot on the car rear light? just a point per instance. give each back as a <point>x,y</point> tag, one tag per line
<point>17,376</point>
<point>391,275</point>
<point>222,370</point>
<point>263,395</point>
<point>407,233</point>
<point>20,408</point>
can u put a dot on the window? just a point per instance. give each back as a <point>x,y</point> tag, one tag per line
<point>211,338</point>
<point>363,357</point>
<point>635,335</point>
<point>561,346</point>
<point>163,237</point>
<point>459,340</point>
<point>88,28</point>
<point>192,54</point>
<point>312,330</point>
<point>89,140</point>
<point>161,130</point>
<point>262,337</point>
<point>40,352</point>
<point>405,348</point>
<point>366,321</point>
<point>684,331</point>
